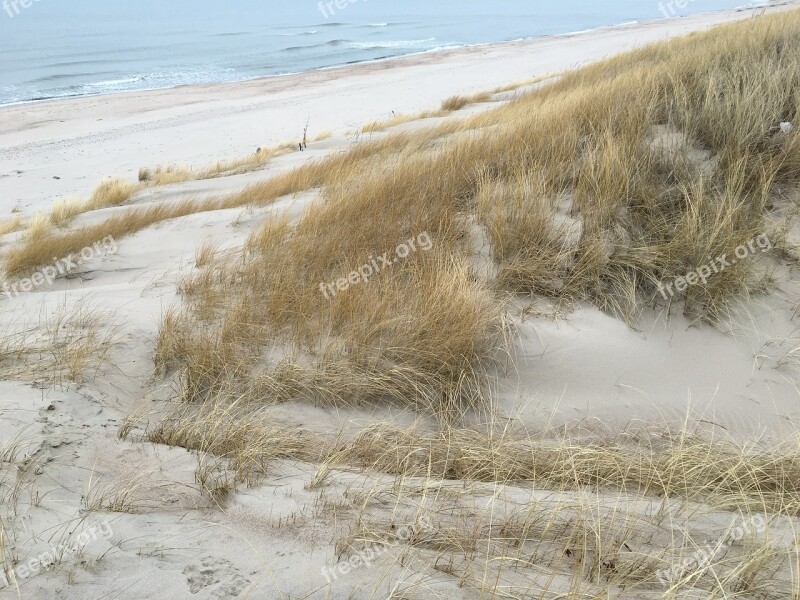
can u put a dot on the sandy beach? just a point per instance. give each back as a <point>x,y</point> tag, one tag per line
<point>580,370</point>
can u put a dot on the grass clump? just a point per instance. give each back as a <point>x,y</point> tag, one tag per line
<point>400,119</point>
<point>68,347</point>
<point>112,192</point>
<point>246,164</point>
<point>40,251</point>
<point>65,210</point>
<point>455,103</point>
<point>11,225</point>
<point>37,228</point>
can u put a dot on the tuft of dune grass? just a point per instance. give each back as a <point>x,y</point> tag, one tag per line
<point>65,210</point>
<point>11,225</point>
<point>455,103</point>
<point>400,119</point>
<point>70,346</point>
<point>37,228</point>
<point>112,192</point>
<point>39,251</point>
<point>246,164</point>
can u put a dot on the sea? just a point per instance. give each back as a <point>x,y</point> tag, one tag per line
<point>68,48</point>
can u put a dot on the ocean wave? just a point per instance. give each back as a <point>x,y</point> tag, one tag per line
<point>330,44</point>
<point>390,44</point>
<point>301,33</point>
<point>110,83</point>
<point>78,63</point>
<point>378,24</point>
<point>62,76</point>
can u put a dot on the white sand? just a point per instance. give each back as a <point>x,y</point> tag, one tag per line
<point>273,540</point>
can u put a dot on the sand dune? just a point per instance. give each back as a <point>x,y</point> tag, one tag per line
<point>81,398</point>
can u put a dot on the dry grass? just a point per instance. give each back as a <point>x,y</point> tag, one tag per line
<point>510,87</point>
<point>380,341</point>
<point>688,466</point>
<point>109,193</point>
<point>507,513</point>
<point>63,211</point>
<point>205,253</point>
<point>115,192</point>
<point>11,225</point>
<point>344,166</point>
<point>400,119</point>
<point>37,228</point>
<point>458,102</point>
<point>39,252</point>
<point>246,164</point>
<point>449,105</point>
<point>68,347</point>
<point>497,543</point>
<point>112,192</point>
<point>249,439</point>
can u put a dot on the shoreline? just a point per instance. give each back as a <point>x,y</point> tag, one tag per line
<point>343,66</point>
<point>346,65</point>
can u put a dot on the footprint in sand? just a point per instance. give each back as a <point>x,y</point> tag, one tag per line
<point>216,572</point>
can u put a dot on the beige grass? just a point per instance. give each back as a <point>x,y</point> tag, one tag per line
<point>449,105</point>
<point>506,513</point>
<point>246,164</point>
<point>400,119</point>
<point>112,192</point>
<point>11,225</point>
<point>68,347</point>
<point>63,211</point>
<point>26,256</point>
<point>39,252</point>
<point>458,102</point>
<point>510,87</point>
<point>37,228</point>
<point>115,192</point>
